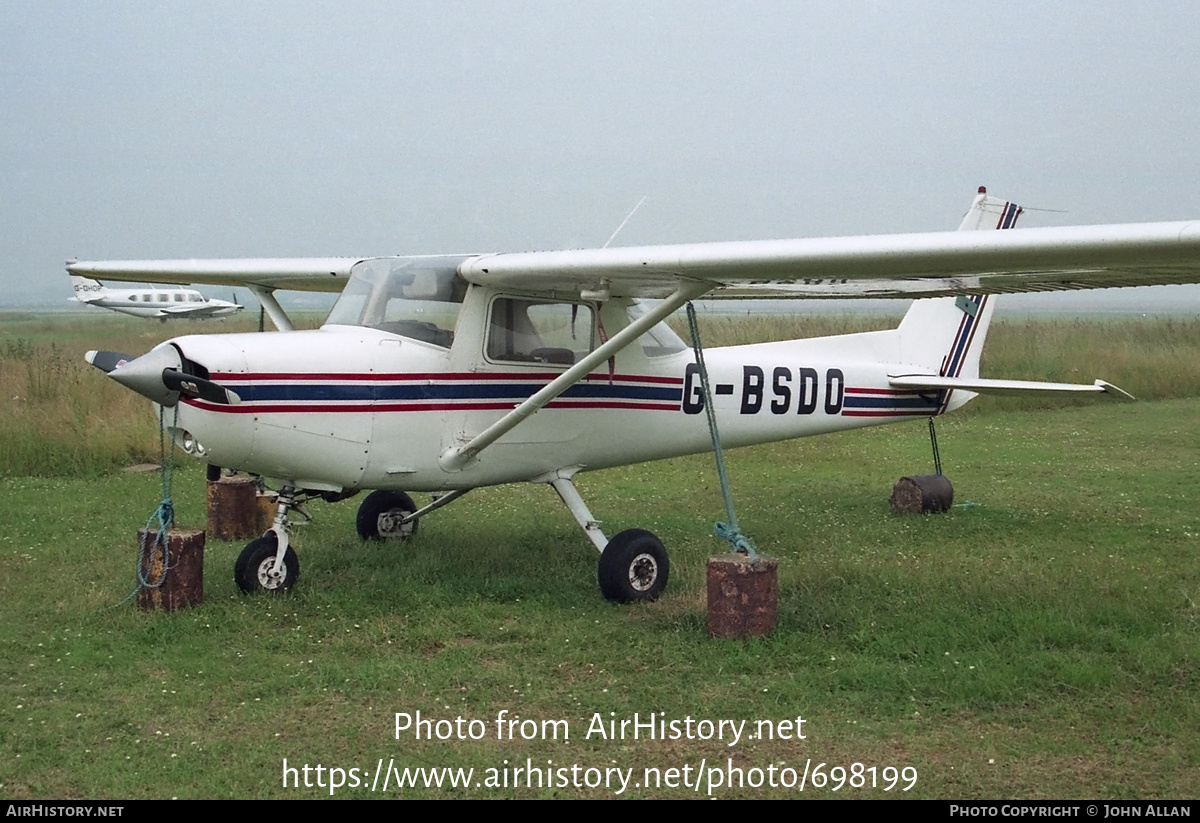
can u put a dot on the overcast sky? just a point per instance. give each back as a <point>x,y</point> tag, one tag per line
<point>213,129</point>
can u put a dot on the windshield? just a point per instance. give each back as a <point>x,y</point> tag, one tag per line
<point>416,297</point>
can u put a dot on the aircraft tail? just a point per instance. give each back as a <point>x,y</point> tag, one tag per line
<point>944,336</point>
<point>87,290</point>
<point>989,212</point>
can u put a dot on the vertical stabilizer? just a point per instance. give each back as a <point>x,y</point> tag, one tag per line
<point>988,213</point>
<point>944,335</point>
<point>86,290</point>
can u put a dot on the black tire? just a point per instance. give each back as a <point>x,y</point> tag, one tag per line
<point>633,567</point>
<point>378,512</point>
<point>251,572</point>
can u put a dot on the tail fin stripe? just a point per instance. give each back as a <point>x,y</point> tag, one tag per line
<point>1008,218</point>
<point>962,344</point>
<point>962,340</point>
<point>946,361</point>
<point>979,303</point>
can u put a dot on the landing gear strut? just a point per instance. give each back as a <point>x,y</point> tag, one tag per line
<point>633,565</point>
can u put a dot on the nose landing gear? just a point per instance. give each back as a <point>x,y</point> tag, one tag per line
<point>269,563</point>
<point>258,570</point>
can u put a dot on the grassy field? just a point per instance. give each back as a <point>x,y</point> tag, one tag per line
<point>1041,642</point>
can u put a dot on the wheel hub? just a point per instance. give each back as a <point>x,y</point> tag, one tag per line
<point>268,577</point>
<point>391,525</point>
<point>643,571</point>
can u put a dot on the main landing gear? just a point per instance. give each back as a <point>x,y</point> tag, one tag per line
<point>389,515</point>
<point>385,515</point>
<point>633,564</point>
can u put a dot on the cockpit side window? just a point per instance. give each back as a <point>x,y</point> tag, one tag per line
<point>535,331</point>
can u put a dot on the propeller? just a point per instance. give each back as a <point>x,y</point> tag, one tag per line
<point>198,387</point>
<point>106,361</point>
<point>159,375</point>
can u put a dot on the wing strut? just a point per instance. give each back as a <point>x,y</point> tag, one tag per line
<point>455,458</point>
<point>266,297</point>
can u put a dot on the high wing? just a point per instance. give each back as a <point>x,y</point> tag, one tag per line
<point>294,273</point>
<point>897,265</point>
<point>892,265</point>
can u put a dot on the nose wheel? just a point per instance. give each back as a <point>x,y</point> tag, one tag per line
<point>257,570</point>
<point>269,563</point>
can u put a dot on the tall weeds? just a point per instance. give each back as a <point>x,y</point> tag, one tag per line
<point>59,420</point>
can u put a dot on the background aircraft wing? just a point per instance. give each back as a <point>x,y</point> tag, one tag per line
<point>897,265</point>
<point>297,273</point>
<point>197,310</point>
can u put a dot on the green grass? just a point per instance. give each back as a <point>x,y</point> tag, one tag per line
<point>1042,643</point>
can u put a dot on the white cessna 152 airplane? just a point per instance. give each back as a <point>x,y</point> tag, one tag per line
<point>162,304</point>
<point>446,373</point>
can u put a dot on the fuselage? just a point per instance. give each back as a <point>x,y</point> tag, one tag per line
<point>351,406</point>
<point>152,302</point>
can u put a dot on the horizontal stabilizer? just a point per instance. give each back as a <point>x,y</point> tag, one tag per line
<point>984,386</point>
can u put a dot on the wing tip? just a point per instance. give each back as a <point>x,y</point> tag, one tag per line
<point>1115,391</point>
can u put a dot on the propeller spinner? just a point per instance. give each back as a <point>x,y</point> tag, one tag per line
<point>159,375</point>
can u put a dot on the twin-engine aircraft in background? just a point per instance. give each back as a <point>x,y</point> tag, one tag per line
<point>446,373</point>
<point>162,304</point>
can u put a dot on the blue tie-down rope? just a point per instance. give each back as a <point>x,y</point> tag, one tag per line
<point>163,516</point>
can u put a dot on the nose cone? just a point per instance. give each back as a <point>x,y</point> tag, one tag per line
<point>144,374</point>
<point>158,375</point>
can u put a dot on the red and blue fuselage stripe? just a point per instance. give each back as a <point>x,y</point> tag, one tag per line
<point>383,392</point>
<point>864,402</point>
<point>365,393</point>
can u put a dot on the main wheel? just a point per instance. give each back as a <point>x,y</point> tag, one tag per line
<point>633,567</point>
<point>255,567</point>
<point>380,514</point>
